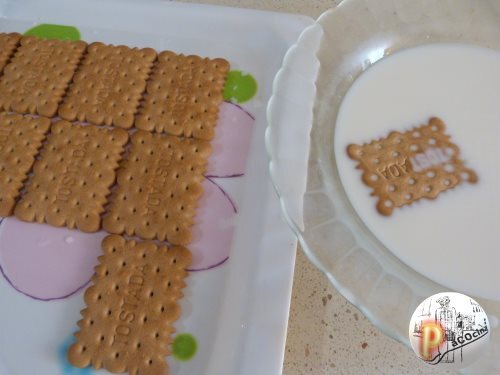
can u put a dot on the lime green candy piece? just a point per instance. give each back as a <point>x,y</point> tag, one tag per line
<point>48,31</point>
<point>184,347</point>
<point>240,87</point>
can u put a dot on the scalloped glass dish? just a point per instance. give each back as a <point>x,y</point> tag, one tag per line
<point>317,73</point>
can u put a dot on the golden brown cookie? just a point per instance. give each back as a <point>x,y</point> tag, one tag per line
<point>72,179</point>
<point>20,139</point>
<point>183,96</point>
<point>37,77</point>
<point>159,185</point>
<point>8,44</point>
<point>131,307</point>
<point>406,167</point>
<point>108,86</point>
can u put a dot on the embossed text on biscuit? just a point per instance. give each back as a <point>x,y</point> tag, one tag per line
<point>159,185</point>
<point>406,167</point>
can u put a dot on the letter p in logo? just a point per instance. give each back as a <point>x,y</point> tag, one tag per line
<point>432,336</point>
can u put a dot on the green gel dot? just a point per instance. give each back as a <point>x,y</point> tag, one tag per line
<point>240,87</point>
<point>184,347</point>
<point>49,31</point>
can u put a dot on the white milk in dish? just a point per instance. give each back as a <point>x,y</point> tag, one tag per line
<point>454,239</point>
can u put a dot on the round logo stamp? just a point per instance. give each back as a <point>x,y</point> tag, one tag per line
<point>449,329</point>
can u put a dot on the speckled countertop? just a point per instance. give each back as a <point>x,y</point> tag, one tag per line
<point>327,334</point>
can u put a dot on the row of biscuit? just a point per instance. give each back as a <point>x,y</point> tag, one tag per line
<point>158,182</point>
<point>111,85</point>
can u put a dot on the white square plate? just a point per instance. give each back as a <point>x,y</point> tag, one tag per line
<point>237,311</point>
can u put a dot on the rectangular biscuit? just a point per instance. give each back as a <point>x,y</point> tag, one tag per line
<point>72,178</point>
<point>131,307</point>
<point>8,44</point>
<point>159,185</point>
<point>20,139</point>
<point>405,167</point>
<point>183,96</point>
<point>37,77</point>
<point>108,86</point>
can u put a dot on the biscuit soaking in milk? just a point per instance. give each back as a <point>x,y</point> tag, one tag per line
<point>458,84</point>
